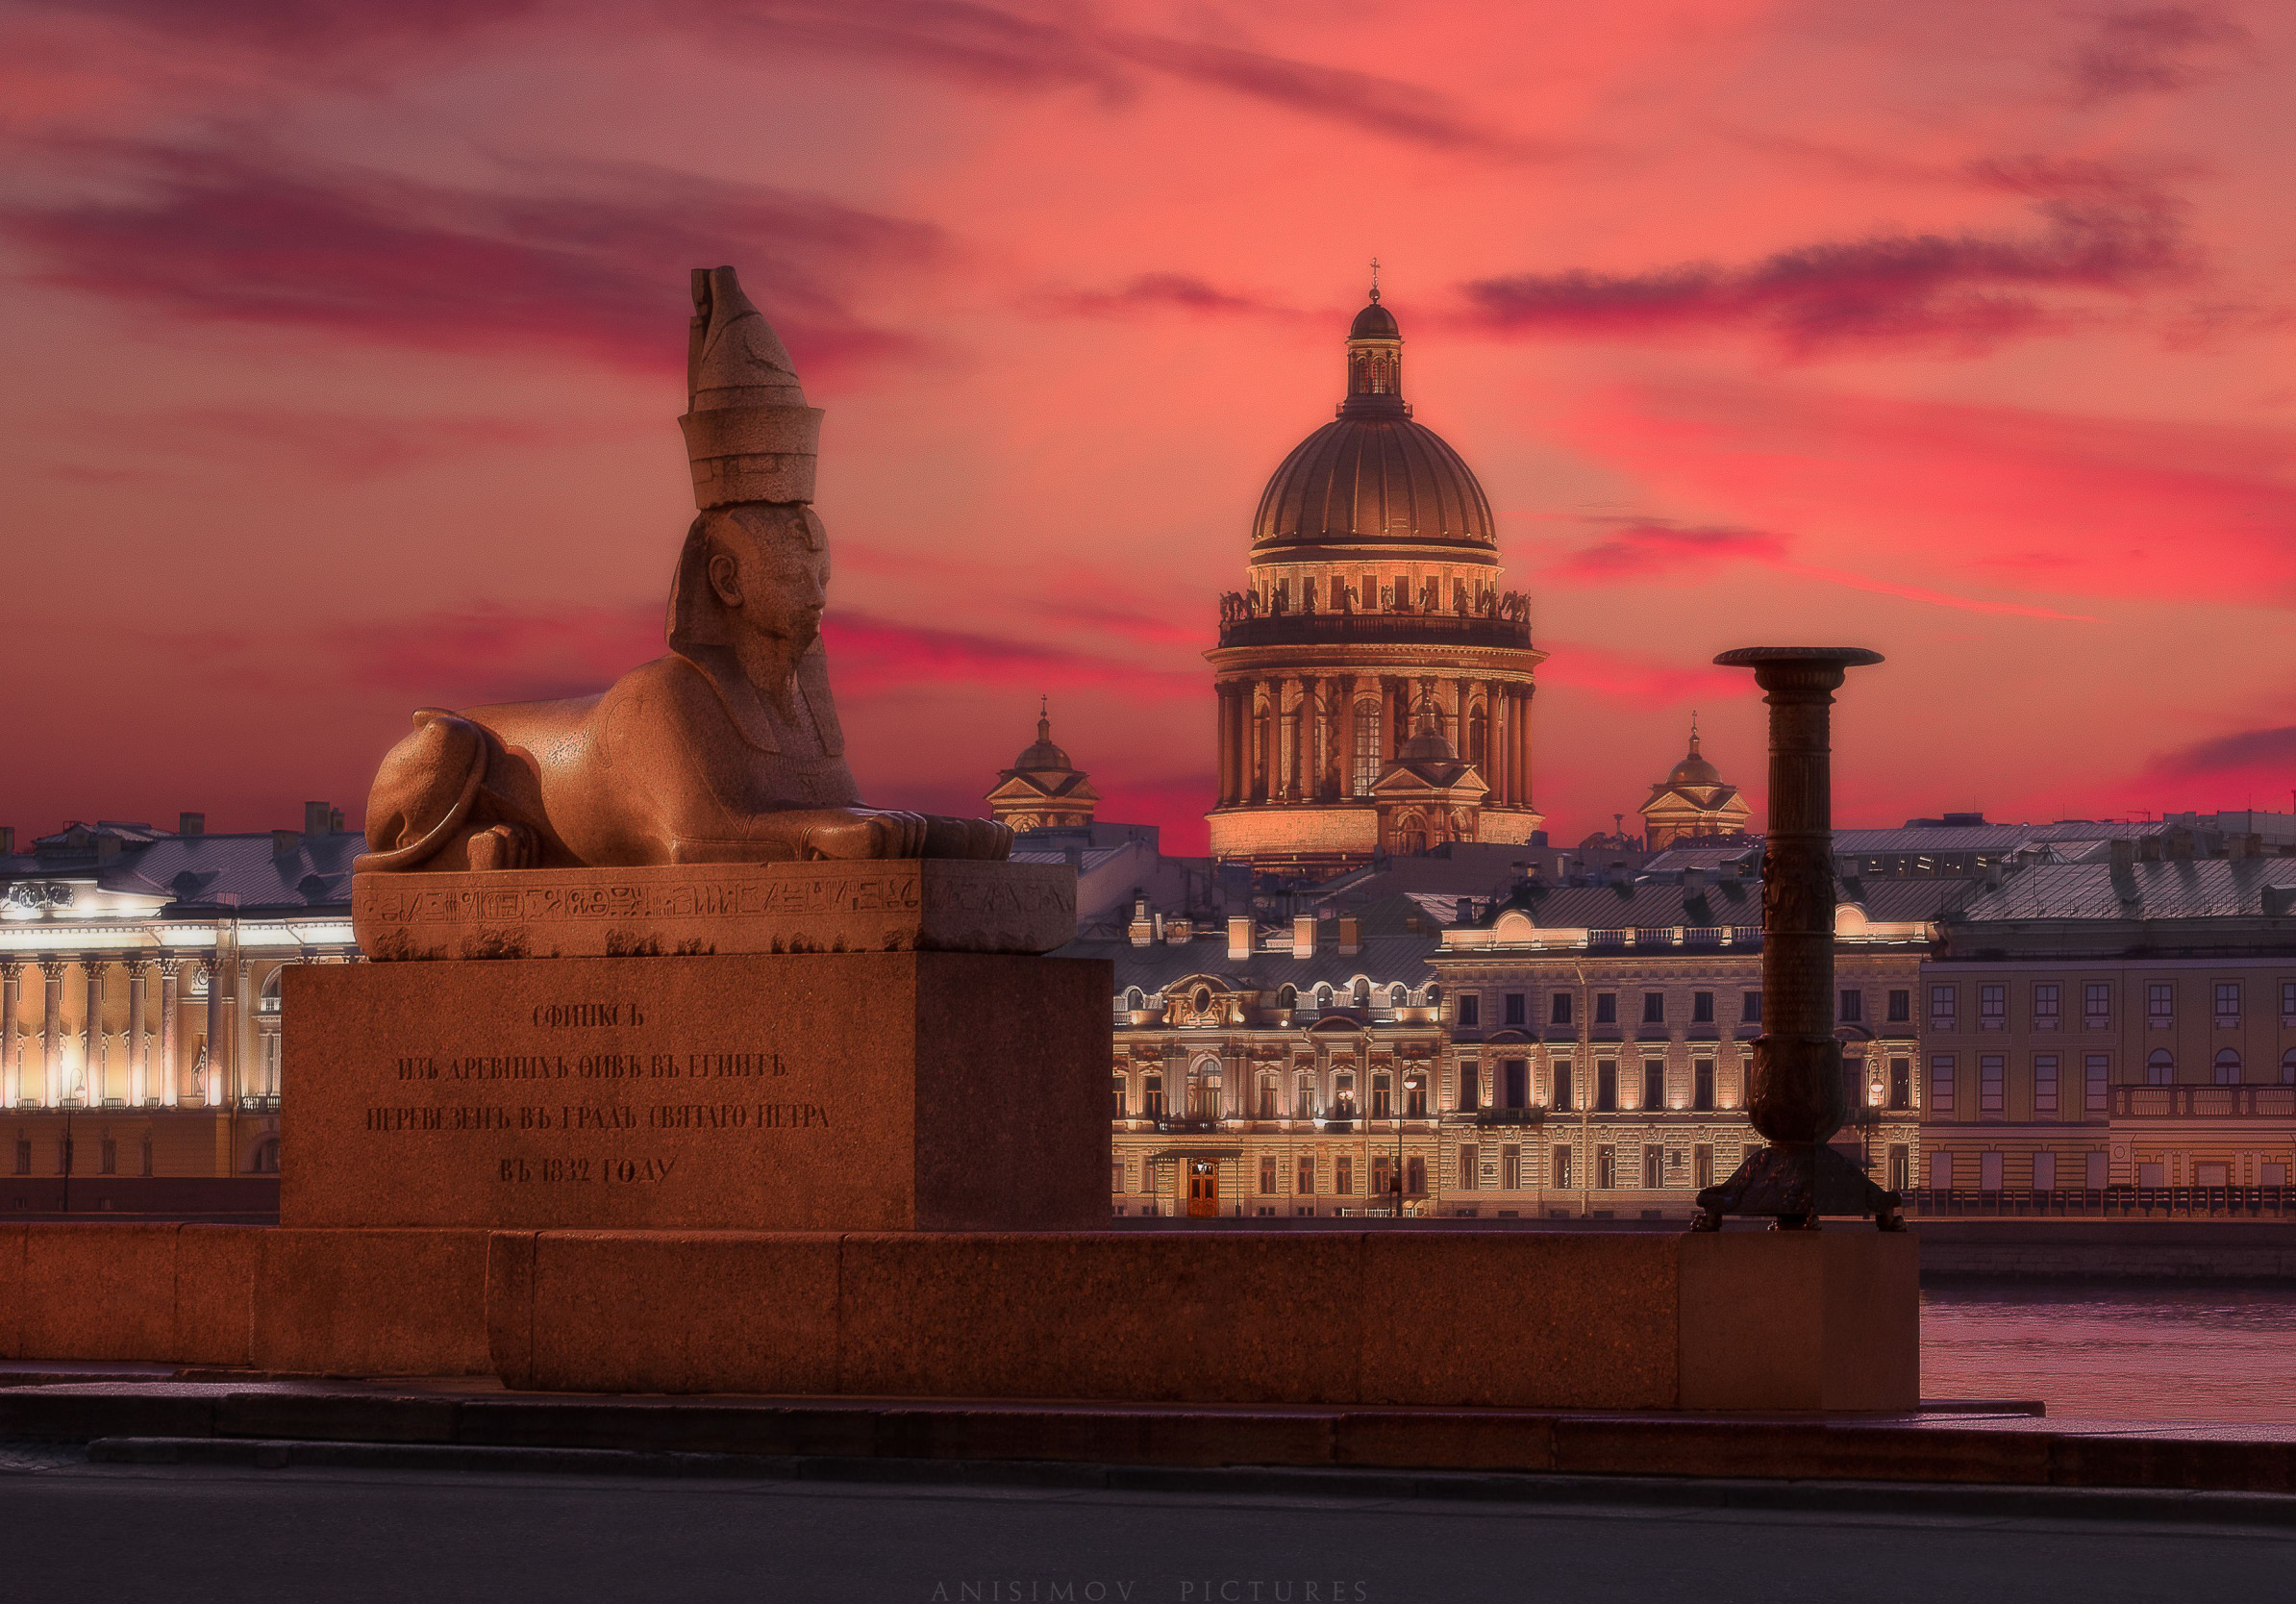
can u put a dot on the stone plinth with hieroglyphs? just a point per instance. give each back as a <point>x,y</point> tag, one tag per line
<point>898,904</point>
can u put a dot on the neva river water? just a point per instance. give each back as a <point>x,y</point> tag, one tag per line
<point>2115,1350</point>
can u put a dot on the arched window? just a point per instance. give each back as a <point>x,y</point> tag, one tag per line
<point>1203,1000</point>
<point>1399,995</point>
<point>1367,746</point>
<point>1323,996</point>
<point>1478,728</point>
<point>268,1001</point>
<point>1135,999</point>
<point>264,1159</point>
<point>1362,993</point>
<point>2159,1069</point>
<point>1434,996</point>
<point>1287,995</point>
<point>2228,1068</point>
<point>2287,1067</point>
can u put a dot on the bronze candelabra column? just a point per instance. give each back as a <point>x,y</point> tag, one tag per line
<point>1794,1096</point>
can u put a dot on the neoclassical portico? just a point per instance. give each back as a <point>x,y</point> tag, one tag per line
<point>1374,616</point>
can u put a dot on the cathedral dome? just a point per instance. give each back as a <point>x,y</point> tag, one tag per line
<point>1041,754</point>
<point>1373,476</point>
<point>1693,771</point>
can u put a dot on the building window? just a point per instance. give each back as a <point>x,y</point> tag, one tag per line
<point>2160,1005</point>
<point>1941,1084</point>
<point>147,1155</point>
<point>1511,1169</point>
<point>2044,1172</point>
<point>1303,1098</point>
<point>1368,751</point>
<point>1853,1008</point>
<point>2096,1076</point>
<point>1944,1009</point>
<point>2044,1086</point>
<point>1303,1180</point>
<point>1115,1097</point>
<point>2160,1068</point>
<point>2288,1002</point>
<point>1901,1007</point>
<point>1654,1167</point>
<point>1562,1087</point>
<point>1901,1083</point>
<point>2228,1004</point>
<point>1653,1082</point>
<point>2044,1006</point>
<point>1134,1000</point>
<point>1702,1166</point>
<point>1654,1007</point>
<point>1561,1174</point>
<point>1414,1176</point>
<point>2287,1067</point>
<point>1383,1097</point>
<point>1116,1177</point>
<point>1606,1086</point>
<point>1901,1167</point>
<point>108,1158</point>
<point>1941,1171</point>
<point>2094,1165</point>
<point>1702,1007</point>
<point>1988,1171</point>
<point>1510,1008</point>
<point>1992,1008</point>
<point>1267,1097</point>
<point>1343,1175</point>
<point>1151,1097</point>
<point>1988,1084</point>
<point>23,1155</point>
<point>1702,1085</point>
<point>1606,1167</point>
<point>2096,1006</point>
<point>1514,1083</point>
<point>1383,1175</point>
<point>1414,1094</point>
<point>1470,1011</point>
<point>1470,1159</point>
<point>1750,1008</point>
<point>2228,1068</point>
<point>1267,1174</point>
<point>1558,1012</point>
<point>1470,1084</point>
<point>1606,1008</point>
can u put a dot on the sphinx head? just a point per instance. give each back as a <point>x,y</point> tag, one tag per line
<point>753,577</point>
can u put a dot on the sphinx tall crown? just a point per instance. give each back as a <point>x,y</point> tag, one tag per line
<point>749,434</point>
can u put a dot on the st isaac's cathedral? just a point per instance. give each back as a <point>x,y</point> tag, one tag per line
<point>1374,680</point>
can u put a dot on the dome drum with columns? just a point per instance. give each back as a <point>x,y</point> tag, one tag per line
<point>1373,629</point>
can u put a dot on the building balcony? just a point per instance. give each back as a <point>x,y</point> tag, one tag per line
<point>1376,629</point>
<point>1510,1116</point>
<point>2203,1102</point>
<point>1190,1125</point>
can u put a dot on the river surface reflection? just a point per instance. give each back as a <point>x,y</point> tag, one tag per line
<point>2115,1350</point>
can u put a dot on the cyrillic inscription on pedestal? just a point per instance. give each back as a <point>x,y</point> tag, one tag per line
<point>791,1092</point>
<point>679,909</point>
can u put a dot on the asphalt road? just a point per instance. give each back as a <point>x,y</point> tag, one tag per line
<point>156,1534</point>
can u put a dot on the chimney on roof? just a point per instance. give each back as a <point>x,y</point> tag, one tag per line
<point>285,842</point>
<point>1466,910</point>
<point>1141,930</point>
<point>2121,853</point>
<point>334,822</point>
<point>2280,901</point>
<point>8,838</point>
<point>1240,935</point>
<point>1351,935</point>
<point>191,825</point>
<point>1303,935</point>
<point>107,847</point>
<point>316,817</point>
<point>1694,878</point>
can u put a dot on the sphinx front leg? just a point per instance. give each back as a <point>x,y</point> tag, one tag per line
<point>809,832</point>
<point>968,838</point>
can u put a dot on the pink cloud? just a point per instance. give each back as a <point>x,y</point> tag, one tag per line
<point>2152,50</point>
<point>1649,547</point>
<point>1636,679</point>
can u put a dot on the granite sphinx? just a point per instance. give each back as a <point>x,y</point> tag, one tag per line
<point>726,750</point>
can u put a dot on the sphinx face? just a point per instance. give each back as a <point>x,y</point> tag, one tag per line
<point>770,569</point>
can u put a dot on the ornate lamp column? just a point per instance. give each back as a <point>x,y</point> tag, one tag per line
<point>1794,1093</point>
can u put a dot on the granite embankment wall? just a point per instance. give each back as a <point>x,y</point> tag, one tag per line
<point>2108,1249</point>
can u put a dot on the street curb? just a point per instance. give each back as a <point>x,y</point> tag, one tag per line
<point>1893,1498</point>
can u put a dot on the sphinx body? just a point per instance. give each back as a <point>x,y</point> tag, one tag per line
<point>726,749</point>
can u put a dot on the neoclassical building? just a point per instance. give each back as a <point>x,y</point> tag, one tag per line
<point>1043,789</point>
<point>1374,678</point>
<point>1692,803</point>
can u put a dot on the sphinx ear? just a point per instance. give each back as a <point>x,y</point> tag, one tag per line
<point>725,578</point>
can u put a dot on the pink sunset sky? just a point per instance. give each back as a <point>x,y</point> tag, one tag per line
<point>345,343</point>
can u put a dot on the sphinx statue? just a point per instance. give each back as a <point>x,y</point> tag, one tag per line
<point>725,750</point>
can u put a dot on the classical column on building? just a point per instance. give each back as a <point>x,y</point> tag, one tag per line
<point>93,1055</point>
<point>138,1043</point>
<point>51,1034</point>
<point>12,1057</point>
<point>1227,744</point>
<point>1345,684</point>
<point>1795,1096</point>
<point>244,1030</point>
<point>171,1002</point>
<point>218,1036</point>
